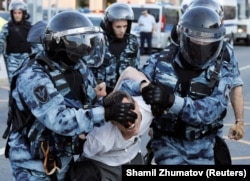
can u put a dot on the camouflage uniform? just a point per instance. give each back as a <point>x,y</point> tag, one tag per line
<point>182,135</point>
<point>14,58</point>
<point>58,111</point>
<point>112,66</point>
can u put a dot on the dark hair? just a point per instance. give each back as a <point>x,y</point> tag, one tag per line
<point>117,96</point>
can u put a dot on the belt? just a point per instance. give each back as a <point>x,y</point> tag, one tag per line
<point>181,130</point>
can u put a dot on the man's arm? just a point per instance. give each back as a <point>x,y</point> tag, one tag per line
<point>237,131</point>
<point>131,73</point>
<point>237,102</point>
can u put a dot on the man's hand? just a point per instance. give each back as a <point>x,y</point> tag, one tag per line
<point>100,90</point>
<point>236,131</point>
<point>156,94</point>
<point>82,136</point>
<point>121,112</point>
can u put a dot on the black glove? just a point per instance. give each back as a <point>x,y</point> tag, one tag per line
<point>157,110</point>
<point>113,98</point>
<point>156,94</point>
<point>121,112</point>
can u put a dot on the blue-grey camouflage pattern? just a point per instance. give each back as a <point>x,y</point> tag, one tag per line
<point>113,66</point>
<point>191,109</point>
<point>13,60</point>
<point>54,110</point>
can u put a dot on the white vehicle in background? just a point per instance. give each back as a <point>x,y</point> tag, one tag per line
<point>243,24</point>
<point>165,15</point>
<point>230,19</point>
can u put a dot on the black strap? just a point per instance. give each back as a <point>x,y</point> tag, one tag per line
<point>62,75</point>
<point>168,53</point>
<point>216,71</point>
<point>53,177</point>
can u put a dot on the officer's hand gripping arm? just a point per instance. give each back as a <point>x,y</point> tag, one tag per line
<point>158,97</point>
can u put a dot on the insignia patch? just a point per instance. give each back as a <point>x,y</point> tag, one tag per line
<point>41,94</point>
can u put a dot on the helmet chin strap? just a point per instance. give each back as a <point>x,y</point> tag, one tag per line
<point>184,63</point>
<point>61,57</point>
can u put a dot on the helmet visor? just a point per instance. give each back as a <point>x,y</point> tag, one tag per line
<point>87,46</point>
<point>200,46</point>
<point>200,53</point>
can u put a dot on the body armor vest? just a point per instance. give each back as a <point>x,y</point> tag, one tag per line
<point>38,132</point>
<point>195,84</point>
<point>16,39</point>
<point>113,65</point>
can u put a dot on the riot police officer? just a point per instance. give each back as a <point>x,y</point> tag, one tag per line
<point>13,37</point>
<point>236,131</point>
<point>187,82</point>
<point>59,92</point>
<point>122,47</point>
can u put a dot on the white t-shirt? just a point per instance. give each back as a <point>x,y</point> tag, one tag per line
<point>147,23</point>
<point>107,145</point>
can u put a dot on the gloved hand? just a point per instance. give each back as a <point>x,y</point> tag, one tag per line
<point>157,110</point>
<point>156,94</point>
<point>114,98</point>
<point>121,112</point>
<point>236,131</point>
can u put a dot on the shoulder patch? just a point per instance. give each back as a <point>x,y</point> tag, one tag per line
<point>41,94</point>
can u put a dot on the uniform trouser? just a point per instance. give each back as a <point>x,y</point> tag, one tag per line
<point>148,37</point>
<point>21,173</point>
<point>172,151</point>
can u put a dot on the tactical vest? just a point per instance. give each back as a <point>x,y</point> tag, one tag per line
<point>194,84</point>
<point>16,39</point>
<point>37,132</point>
<point>112,66</point>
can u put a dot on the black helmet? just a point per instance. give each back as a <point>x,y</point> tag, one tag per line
<point>201,36</point>
<point>213,4</point>
<point>73,35</point>
<point>18,5</point>
<point>118,11</point>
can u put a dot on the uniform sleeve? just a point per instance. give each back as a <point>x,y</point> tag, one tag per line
<point>233,66</point>
<point>206,110</point>
<point>3,35</point>
<point>136,49</point>
<point>49,106</point>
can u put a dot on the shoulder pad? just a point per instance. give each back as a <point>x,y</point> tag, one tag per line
<point>226,55</point>
<point>168,53</point>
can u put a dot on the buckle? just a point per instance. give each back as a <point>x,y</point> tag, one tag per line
<point>192,133</point>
